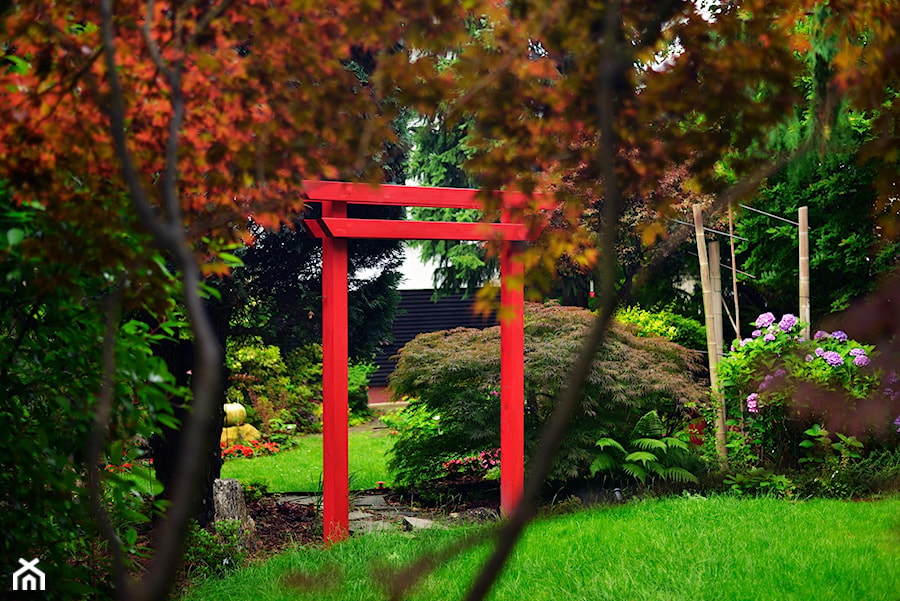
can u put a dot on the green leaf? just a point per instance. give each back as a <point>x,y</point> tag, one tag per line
<point>14,236</point>
<point>675,443</point>
<point>677,474</point>
<point>231,260</point>
<point>649,444</point>
<point>130,537</point>
<point>642,456</point>
<point>635,471</point>
<point>609,442</point>
<point>603,463</point>
<point>19,65</point>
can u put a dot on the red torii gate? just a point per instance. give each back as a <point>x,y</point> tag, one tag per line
<point>335,228</point>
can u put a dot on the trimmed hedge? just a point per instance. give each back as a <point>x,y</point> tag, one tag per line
<point>453,380</point>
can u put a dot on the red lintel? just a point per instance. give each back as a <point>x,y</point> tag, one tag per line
<point>415,230</point>
<point>413,196</point>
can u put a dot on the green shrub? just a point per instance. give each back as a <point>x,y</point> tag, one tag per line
<point>760,482</point>
<point>358,390</point>
<point>682,330</point>
<point>52,329</point>
<point>214,552</point>
<point>261,380</point>
<point>453,378</point>
<point>779,388</point>
<point>279,391</point>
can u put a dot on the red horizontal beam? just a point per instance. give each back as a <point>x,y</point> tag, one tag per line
<point>385,229</point>
<point>413,196</point>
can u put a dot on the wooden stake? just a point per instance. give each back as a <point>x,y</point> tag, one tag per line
<point>715,282</point>
<point>737,310</point>
<point>711,345</point>
<point>803,218</point>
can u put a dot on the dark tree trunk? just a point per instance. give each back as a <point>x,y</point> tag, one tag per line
<point>166,447</point>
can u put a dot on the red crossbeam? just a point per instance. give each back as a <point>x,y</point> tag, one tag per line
<point>415,196</point>
<point>386,229</point>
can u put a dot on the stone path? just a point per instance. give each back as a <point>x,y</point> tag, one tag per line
<point>372,513</point>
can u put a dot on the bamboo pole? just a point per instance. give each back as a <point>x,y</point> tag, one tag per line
<point>803,218</point>
<point>711,345</point>
<point>737,309</point>
<point>715,283</point>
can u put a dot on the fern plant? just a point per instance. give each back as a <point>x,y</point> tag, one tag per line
<point>649,453</point>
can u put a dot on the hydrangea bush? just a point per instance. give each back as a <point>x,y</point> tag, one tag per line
<point>776,385</point>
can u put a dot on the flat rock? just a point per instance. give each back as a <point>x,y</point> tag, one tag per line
<point>411,523</point>
<point>299,499</point>
<point>369,501</point>
<point>365,526</point>
<point>359,515</point>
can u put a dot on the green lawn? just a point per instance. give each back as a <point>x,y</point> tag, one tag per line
<point>300,469</point>
<point>680,549</point>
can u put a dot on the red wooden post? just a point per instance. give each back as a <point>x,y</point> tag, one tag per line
<point>335,477</point>
<point>512,377</point>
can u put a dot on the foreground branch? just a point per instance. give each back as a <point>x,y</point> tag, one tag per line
<point>169,235</point>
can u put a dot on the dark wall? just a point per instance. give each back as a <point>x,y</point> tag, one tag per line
<point>417,314</point>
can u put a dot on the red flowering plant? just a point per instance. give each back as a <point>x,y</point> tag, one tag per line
<point>253,448</point>
<point>485,464</point>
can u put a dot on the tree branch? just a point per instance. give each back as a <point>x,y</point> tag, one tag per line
<point>170,236</point>
<point>612,70</point>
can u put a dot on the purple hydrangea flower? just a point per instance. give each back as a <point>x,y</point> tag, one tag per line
<point>893,378</point>
<point>746,341</point>
<point>856,352</point>
<point>756,333</point>
<point>820,351</point>
<point>840,335</point>
<point>821,334</point>
<point>788,321</point>
<point>809,358</point>
<point>752,405</point>
<point>897,423</point>
<point>833,358</point>
<point>769,337</point>
<point>765,320</point>
<point>779,373</point>
<point>860,361</point>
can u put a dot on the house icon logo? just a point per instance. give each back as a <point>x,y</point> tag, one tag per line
<point>28,577</point>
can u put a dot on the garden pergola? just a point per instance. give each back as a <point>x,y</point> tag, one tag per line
<point>334,228</point>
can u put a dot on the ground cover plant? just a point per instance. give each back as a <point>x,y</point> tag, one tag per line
<point>454,411</point>
<point>299,469</point>
<point>683,548</point>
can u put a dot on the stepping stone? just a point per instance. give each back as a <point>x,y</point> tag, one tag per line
<point>411,523</point>
<point>369,501</point>
<point>299,499</point>
<point>366,526</point>
<point>359,515</point>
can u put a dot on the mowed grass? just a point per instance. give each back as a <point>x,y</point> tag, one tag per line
<point>300,469</point>
<point>690,549</point>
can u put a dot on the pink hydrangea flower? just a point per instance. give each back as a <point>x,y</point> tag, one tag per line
<point>752,405</point>
<point>765,320</point>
